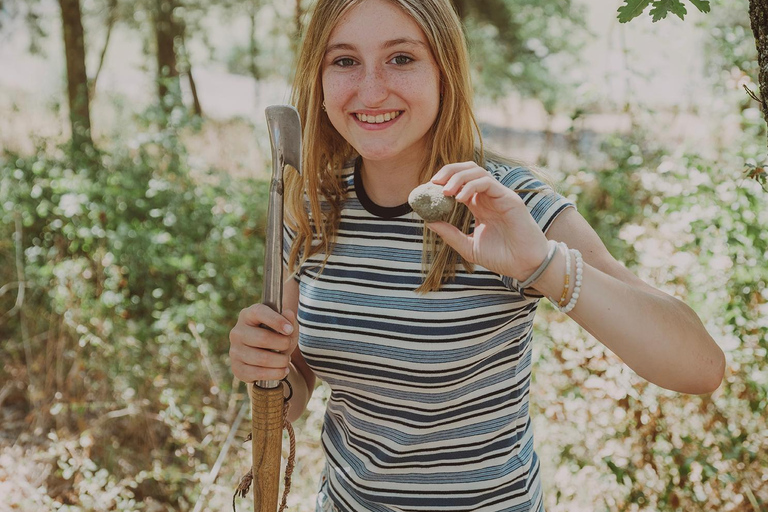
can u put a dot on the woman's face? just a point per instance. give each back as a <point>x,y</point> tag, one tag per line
<point>381,84</point>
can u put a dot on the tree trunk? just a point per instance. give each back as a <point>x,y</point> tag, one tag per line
<point>168,89</point>
<point>460,6</point>
<point>77,79</point>
<point>298,15</point>
<point>758,15</point>
<point>298,12</point>
<point>253,48</point>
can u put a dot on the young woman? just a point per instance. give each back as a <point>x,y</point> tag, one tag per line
<point>424,335</point>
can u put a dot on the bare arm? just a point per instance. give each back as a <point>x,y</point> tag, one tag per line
<point>657,335</point>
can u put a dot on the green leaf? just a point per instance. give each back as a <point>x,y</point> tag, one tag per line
<point>632,9</point>
<point>663,7</point>
<point>701,5</point>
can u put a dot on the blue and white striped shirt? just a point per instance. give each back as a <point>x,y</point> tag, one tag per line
<point>429,393</point>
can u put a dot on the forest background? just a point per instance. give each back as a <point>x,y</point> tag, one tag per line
<point>132,235</point>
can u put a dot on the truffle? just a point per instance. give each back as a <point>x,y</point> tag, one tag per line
<point>429,203</point>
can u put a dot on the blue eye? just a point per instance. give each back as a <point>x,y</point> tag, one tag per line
<point>344,62</point>
<point>402,60</point>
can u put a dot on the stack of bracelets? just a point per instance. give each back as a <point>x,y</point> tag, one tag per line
<point>561,304</point>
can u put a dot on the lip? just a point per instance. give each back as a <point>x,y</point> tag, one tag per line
<point>379,126</point>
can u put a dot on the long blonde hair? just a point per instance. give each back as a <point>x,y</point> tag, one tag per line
<point>455,135</point>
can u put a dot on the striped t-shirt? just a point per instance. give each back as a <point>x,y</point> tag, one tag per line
<point>429,392</point>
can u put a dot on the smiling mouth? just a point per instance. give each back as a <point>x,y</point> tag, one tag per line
<point>378,119</point>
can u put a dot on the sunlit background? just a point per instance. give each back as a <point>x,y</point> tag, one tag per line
<point>124,264</point>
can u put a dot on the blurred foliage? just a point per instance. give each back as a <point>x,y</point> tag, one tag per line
<point>699,230</point>
<point>135,266</point>
<point>30,12</point>
<point>731,54</point>
<point>524,46</point>
<point>121,275</point>
<point>527,46</point>
<point>131,272</point>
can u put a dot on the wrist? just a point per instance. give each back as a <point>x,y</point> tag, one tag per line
<point>550,284</point>
<point>535,273</point>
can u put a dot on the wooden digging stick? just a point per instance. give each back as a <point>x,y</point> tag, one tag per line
<point>267,396</point>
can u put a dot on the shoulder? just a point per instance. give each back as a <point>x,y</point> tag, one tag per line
<point>515,176</point>
<point>544,203</point>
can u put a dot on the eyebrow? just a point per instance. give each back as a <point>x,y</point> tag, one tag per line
<point>387,44</point>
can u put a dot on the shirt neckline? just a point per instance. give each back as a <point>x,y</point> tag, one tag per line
<point>385,212</point>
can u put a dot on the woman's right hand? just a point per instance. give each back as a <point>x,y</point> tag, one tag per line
<point>258,353</point>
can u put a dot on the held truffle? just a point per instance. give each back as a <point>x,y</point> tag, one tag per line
<point>429,203</point>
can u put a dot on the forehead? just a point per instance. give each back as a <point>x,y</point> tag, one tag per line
<point>375,22</point>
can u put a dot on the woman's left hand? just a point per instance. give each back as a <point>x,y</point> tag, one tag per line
<point>506,238</point>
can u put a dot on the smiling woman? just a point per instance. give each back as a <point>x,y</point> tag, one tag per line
<point>423,331</point>
<point>414,53</point>
<point>382,91</point>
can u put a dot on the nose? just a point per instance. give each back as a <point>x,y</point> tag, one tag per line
<point>372,88</point>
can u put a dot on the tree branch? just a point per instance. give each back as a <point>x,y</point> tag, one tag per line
<point>206,358</point>
<point>752,95</point>
<point>111,19</point>
<point>220,459</point>
<point>8,286</point>
<point>32,389</point>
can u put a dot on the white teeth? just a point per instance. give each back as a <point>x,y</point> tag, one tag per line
<point>381,118</point>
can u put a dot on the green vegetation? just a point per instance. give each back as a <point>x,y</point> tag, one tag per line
<point>128,274</point>
<point>123,268</point>
<point>659,8</point>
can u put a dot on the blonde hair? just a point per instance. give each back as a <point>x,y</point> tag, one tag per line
<point>455,135</point>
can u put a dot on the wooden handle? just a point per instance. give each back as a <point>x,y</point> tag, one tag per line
<point>267,430</point>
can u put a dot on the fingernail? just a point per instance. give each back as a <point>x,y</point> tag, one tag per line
<point>287,371</point>
<point>287,329</point>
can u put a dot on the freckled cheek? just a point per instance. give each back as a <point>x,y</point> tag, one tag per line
<point>422,89</point>
<point>338,90</point>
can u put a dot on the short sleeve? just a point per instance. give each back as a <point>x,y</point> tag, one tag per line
<point>543,202</point>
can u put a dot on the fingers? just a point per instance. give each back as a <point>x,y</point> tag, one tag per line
<point>464,180</point>
<point>260,314</point>
<point>442,176</point>
<point>248,373</point>
<point>258,353</point>
<point>259,359</point>
<point>485,185</point>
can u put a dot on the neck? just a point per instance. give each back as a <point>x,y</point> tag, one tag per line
<point>388,183</point>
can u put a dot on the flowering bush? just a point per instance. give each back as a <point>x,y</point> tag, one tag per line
<point>130,272</point>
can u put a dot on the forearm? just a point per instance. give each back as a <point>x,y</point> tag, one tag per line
<point>302,392</point>
<point>656,335</point>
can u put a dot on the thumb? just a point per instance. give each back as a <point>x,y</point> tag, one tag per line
<point>290,315</point>
<point>454,237</point>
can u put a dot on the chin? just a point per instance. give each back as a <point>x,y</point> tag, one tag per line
<point>376,153</point>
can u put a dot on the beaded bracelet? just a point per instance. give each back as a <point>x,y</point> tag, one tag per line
<point>567,284</point>
<point>552,245</point>
<point>577,285</point>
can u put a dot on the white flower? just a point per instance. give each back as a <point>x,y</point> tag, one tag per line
<point>72,204</point>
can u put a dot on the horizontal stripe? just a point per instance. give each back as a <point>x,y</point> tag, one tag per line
<point>429,392</point>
